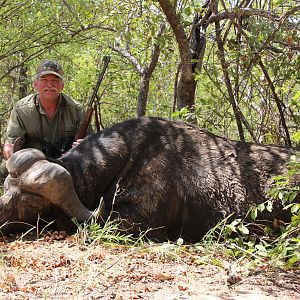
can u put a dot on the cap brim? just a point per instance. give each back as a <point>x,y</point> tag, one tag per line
<point>43,73</point>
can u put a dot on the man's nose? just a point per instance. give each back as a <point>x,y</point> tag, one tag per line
<point>49,83</point>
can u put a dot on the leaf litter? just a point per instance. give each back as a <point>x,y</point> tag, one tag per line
<point>57,267</point>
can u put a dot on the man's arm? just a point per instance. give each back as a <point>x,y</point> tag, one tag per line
<point>15,131</point>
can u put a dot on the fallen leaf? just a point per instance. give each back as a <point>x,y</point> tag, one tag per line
<point>96,256</point>
<point>163,276</point>
<point>27,289</point>
<point>148,289</point>
<point>182,288</point>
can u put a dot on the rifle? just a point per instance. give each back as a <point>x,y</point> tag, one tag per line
<point>81,133</point>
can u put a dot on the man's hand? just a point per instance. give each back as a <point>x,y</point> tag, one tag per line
<point>8,150</point>
<point>77,142</point>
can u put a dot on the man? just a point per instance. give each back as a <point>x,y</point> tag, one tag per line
<point>47,120</point>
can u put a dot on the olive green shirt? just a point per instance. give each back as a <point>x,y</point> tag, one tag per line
<point>29,121</point>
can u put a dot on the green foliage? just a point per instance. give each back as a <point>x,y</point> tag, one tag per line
<point>79,33</point>
<point>185,114</point>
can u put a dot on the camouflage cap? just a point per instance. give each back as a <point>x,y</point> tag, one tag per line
<point>49,67</point>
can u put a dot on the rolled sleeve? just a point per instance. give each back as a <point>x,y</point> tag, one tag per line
<point>15,128</point>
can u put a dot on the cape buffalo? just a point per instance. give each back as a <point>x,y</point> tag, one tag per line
<point>173,177</point>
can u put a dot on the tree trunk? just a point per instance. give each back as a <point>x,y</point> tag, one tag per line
<point>144,72</point>
<point>185,93</point>
<point>143,94</point>
<point>191,51</point>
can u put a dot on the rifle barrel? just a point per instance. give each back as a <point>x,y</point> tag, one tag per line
<point>105,63</point>
<point>81,132</point>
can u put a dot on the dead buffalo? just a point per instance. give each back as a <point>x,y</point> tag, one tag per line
<point>173,177</point>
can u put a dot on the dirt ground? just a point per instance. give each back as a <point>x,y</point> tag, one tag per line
<point>57,267</point>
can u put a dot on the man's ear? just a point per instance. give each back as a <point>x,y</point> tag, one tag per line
<point>34,83</point>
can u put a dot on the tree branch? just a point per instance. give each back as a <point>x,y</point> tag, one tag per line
<point>156,49</point>
<point>247,12</point>
<point>126,54</point>
<point>224,66</point>
<point>277,101</point>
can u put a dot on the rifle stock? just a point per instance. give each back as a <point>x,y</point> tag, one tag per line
<point>81,133</point>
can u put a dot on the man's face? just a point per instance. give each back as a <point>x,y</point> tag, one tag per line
<point>48,87</point>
